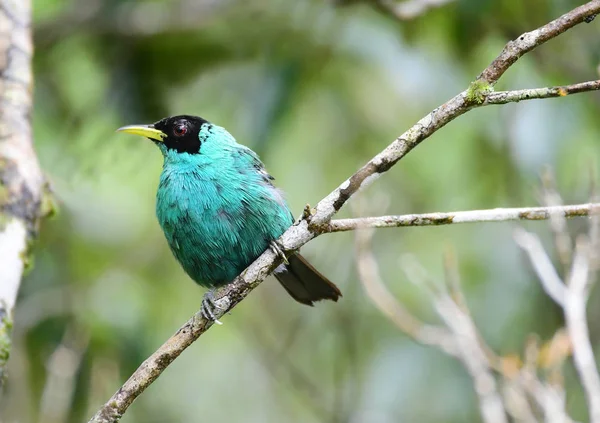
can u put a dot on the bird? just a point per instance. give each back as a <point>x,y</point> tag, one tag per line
<point>219,210</point>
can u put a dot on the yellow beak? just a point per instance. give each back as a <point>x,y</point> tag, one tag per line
<point>147,131</point>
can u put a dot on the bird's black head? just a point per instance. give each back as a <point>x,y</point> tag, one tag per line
<point>179,133</point>
<point>182,133</point>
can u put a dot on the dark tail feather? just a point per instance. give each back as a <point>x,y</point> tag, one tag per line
<point>304,283</point>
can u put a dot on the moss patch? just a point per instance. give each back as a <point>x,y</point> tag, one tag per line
<point>49,206</point>
<point>27,256</point>
<point>478,91</point>
<point>6,325</point>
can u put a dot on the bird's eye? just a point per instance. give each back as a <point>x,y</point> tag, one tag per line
<point>180,130</point>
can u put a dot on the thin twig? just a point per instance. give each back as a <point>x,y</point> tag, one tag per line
<point>308,227</point>
<point>504,97</point>
<point>551,282</point>
<point>452,280</point>
<point>550,398</point>
<point>471,216</point>
<point>475,360</point>
<point>395,311</point>
<point>572,297</point>
<point>530,40</point>
<point>470,350</point>
<point>516,401</point>
<point>575,316</point>
<point>558,223</point>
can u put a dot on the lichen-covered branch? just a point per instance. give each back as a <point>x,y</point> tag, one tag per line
<point>530,40</point>
<point>503,97</point>
<point>315,219</point>
<point>471,216</point>
<point>21,182</point>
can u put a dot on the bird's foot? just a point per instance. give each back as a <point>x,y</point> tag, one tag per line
<point>278,249</point>
<point>210,307</point>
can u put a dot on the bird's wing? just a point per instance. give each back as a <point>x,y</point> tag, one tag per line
<point>252,161</point>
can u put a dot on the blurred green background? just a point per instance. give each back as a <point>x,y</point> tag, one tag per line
<point>317,89</point>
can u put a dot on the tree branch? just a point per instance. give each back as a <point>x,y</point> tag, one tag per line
<point>471,216</point>
<point>551,282</point>
<point>530,40</point>
<point>577,294</point>
<point>396,312</point>
<point>470,348</point>
<point>21,182</point>
<point>572,298</point>
<point>308,227</point>
<point>503,97</point>
<point>550,397</point>
<point>535,381</point>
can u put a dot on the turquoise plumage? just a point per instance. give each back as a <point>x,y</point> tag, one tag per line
<point>219,209</point>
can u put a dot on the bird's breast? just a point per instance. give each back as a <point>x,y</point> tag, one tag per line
<point>217,222</point>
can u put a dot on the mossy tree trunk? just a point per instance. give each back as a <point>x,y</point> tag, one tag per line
<point>21,181</point>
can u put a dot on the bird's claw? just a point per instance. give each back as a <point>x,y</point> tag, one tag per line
<point>209,307</point>
<point>278,249</point>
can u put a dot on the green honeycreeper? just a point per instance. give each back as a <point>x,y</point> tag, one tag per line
<point>219,209</point>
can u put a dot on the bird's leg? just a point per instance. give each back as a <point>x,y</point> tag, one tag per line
<point>278,249</point>
<point>209,307</point>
